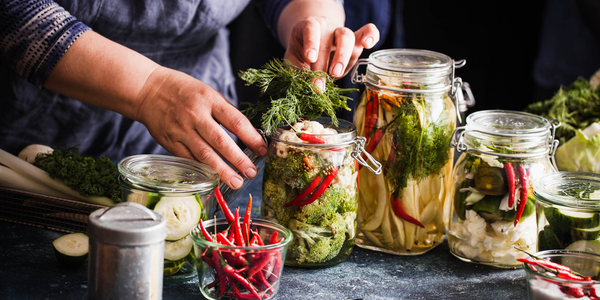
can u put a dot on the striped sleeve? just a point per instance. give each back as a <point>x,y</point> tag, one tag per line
<point>34,35</point>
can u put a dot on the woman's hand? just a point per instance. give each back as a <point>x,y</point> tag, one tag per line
<point>315,37</point>
<point>182,113</point>
<point>185,115</point>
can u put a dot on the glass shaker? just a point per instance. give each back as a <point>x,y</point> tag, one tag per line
<point>568,211</point>
<point>310,187</point>
<point>407,115</point>
<point>179,189</point>
<point>492,214</point>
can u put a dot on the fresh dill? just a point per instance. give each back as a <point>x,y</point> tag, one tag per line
<point>288,93</point>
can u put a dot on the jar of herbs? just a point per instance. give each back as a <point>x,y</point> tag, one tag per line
<point>179,189</point>
<point>310,187</point>
<point>493,210</point>
<point>407,114</point>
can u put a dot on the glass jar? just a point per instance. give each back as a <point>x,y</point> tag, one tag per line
<point>407,116</point>
<point>568,211</point>
<point>310,186</point>
<point>181,191</point>
<point>492,213</point>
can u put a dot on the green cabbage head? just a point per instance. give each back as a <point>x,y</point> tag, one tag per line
<point>582,152</point>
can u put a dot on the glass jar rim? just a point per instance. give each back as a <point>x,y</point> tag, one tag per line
<point>559,188</point>
<point>198,237</point>
<point>559,252</point>
<point>507,123</point>
<point>345,138</point>
<point>143,170</point>
<point>411,61</point>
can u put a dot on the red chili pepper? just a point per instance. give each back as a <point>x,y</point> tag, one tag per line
<point>512,181</point>
<point>239,238</point>
<point>371,114</point>
<point>258,238</point>
<point>264,282</point>
<point>226,211</point>
<point>400,213</point>
<point>230,272</point>
<point>545,263</point>
<point>594,293</point>
<point>205,233</point>
<point>524,191</point>
<point>568,275</point>
<point>222,278</point>
<point>321,189</point>
<point>576,292</point>
<point>309,188</point>
<point>375,140</point>
<point>261,263</point>
<point>222,239</point>
<point>246,226</point>
<point>311,138</point>
<point>274,240</point>
<point>390,159</point>
<point>276,267</point>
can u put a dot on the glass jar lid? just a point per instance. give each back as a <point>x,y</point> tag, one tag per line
<point>411,61</point>
<point>573,189</point>
<point>168,173</point>
<point>507,123</point>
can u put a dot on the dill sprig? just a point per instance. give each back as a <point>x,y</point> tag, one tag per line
<point>288,93</point>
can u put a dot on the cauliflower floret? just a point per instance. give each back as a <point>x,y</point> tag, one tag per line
<point>475,226</point>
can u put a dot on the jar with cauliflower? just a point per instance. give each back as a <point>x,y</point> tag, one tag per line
<point>310,186</point>
<point>493,208</point>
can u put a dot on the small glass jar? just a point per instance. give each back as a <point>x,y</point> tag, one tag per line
<point>568,211</point>
<point>492,212</point>
<point>407,115</point>
<point>310,186</point>
<point>179,189</point>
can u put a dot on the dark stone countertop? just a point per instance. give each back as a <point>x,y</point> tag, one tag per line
<point>29,270</point>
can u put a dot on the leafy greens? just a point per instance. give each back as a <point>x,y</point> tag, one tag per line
<point>289,94</point>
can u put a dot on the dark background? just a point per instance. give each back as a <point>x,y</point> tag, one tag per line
<point>498,40</point>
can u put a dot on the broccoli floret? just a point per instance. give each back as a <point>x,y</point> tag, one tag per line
<point>325,205</point>
<point>349,203</point>
<point>274,197</point>
<point>318,243</point>
<point>350,221</point>
<point>293,169</point>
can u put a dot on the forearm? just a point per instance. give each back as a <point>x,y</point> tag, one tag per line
<point>103,73</point>
<point>298,10</point>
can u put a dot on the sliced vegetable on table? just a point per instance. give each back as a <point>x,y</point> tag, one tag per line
<point>71,249</point>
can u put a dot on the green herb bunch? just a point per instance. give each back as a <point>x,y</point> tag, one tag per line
<point>576,107</point>
<point>85,174</point>
<point>288,93</point>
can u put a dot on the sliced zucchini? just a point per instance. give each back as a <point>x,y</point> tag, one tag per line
<point>71,249</point>
<point>181,215</point>
<point>179,249</point>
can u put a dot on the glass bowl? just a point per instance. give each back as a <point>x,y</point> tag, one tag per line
<point>259,267</point>
<point>541,285</point>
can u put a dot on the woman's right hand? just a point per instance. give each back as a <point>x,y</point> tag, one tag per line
<point>185,115</point>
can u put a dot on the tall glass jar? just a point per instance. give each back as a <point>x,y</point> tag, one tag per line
<point>407,116</point>
<point>310,186</point>
<point>181,191</point>
<point>493,211</point>
<point>568,211</point>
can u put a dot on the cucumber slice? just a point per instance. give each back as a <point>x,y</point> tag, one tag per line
<point>178,249</point>
<point>489,208</point>
<point>181,215</point>
<point>551,239</point>
<point>576,219</point>
<point>587,246</point>
<point>71,249</point>
<point>172,267</point>
<point>148,200</point>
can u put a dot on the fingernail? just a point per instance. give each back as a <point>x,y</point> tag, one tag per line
<point>337,70</point>
<point>235,182</point>
<point>369,42</point>
<point>262,151</point>
<point>250,173</point>
<point>312,55</point>
<point>320,84</point>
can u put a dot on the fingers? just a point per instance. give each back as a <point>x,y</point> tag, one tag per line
<point>349,46</point>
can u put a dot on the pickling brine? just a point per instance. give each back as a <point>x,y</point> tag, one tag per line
<point>407,116</point>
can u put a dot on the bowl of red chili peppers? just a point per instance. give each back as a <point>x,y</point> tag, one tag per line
<point>562,274</point>
<point>239,258</point>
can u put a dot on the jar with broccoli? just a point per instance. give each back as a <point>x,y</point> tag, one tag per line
<point>310,186</point>
<point>493,211</point>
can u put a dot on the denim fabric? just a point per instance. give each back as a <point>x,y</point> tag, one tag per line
<point>187,35</point>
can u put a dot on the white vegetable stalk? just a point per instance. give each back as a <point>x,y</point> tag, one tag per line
<point>42,177</point>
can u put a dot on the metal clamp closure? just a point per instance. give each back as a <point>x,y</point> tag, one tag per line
<point>357,152</point>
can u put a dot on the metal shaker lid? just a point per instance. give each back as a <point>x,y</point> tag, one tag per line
<point>126,224</point>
